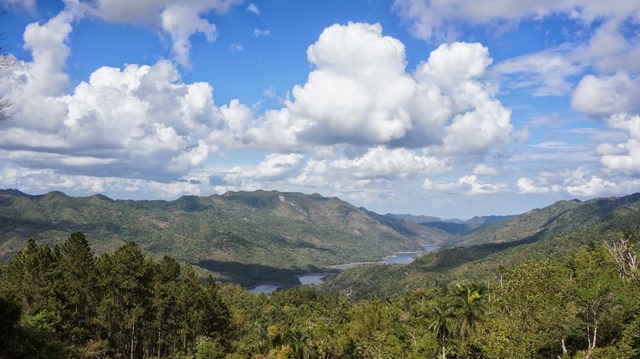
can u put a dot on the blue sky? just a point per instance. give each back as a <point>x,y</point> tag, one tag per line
<point>451,109</point>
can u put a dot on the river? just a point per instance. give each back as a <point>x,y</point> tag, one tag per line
<point>314,279</point>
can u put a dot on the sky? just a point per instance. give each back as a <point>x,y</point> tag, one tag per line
<point>445,108</point>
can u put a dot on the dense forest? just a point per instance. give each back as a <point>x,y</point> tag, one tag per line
<point>241,237</point>
<point>65,302</point>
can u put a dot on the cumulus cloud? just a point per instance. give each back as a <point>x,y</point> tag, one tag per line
<point>610,45</point>
<point>607,95</point>
<point>578,182</point>
<point>179,19</point>
<point>623,158</point>
<point>35,181</point>
<point>181,22</point>
<point>276,166</point>
<point>359,89</point>
<point>428,19</point>
<point>137,122</point>
<point>528,186</point>
<point>360,93</point>
<point>468,185</point>
<point>394,164</point>
<point>610,49</point>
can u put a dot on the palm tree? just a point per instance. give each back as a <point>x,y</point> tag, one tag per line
<point>441,325</point>
<point>299,341</point>
<point>468,304</point>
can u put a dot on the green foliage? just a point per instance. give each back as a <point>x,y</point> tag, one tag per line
<point>233,236</point>
<point>65,303</point>
<point>544,298</point>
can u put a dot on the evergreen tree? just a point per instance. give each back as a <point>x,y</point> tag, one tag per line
<point>164,327</point>
<point>78,270</point>
<point>124,310</point>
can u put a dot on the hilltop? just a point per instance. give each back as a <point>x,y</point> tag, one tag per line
<point>550,232</point>
<point>254,234</point>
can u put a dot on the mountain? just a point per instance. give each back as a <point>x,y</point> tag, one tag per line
<point>458,227</point>
<point>560,219</point>
<point>550,232</point>
<point>237,234</point>
<point>413,218</point>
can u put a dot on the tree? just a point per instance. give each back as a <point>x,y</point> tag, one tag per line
<point>371,325</point>
<point>79,287</point>
<point>165,306</point>
<point>441,325</point>
<point>623,252</point>
<point>125,281</point>
<point>32,280</point>
<point>468,305</point>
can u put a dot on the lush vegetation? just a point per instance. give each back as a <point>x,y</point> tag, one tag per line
<point>267,230</point>
<point>559,282</point>
<point>66,302</point>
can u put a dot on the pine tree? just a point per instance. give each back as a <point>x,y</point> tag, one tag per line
<point>79,287</point>
<point>124,310</point>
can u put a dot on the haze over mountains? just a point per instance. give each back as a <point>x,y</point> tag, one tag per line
<point>269,233</point>
<point>540,234</point>
<point>267,229</point>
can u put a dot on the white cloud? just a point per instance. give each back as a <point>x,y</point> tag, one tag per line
<point>578,182</point>
<point>28,5</point>
<point>429,19</point>
<point>179,19</point>
<point>484,170</point>
<point>136,122</point>
<point>467,185</point>
<point>591,186</point>
<point>148,11</point>
<point>623,157</point>
<point>612,47</point>
<point>359,89</point>
<point>528,186</point>
<point>545,73</point>
<point>35,181</point>
<point>260,32</point>
<point>360,93</point>
<point>449,87</point>
<point>181,22</point>
<point>609,49</point>
<point>253,8</point>
<point>394,164</point>
<point>236,47</point>
<point>276,166</point>
<point>607,95</point>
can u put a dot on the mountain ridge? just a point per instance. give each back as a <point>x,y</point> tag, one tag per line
<point>287,230</point>
<point>542,233</point>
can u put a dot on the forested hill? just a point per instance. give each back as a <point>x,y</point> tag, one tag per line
<point>562,218</point>
<point>219,232</point>
<point>554,231</point>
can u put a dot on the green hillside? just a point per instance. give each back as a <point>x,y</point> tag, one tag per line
<point>560,219</point>
<point>550,232</point>
<point>270,230</point>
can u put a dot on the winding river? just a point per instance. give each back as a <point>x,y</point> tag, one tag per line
<point>314,279</point>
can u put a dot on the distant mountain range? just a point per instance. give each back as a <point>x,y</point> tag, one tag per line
<point>451,226</point>
<point>252,237</point>
<point>238,235</point>
<point>549,232</point>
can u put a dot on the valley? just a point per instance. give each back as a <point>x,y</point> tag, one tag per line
<point>327,279</point>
